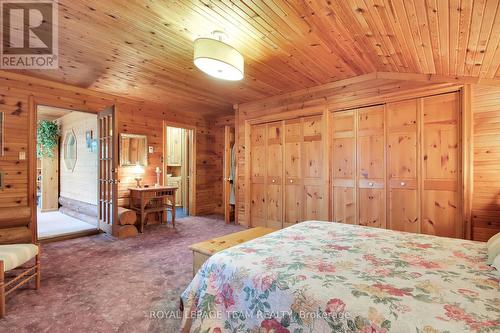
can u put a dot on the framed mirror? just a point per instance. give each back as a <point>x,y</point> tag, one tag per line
<point>69,145</point>
<point>133,150</point>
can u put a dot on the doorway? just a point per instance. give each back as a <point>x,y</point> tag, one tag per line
<point>178,164</point>
<point>66,173</point>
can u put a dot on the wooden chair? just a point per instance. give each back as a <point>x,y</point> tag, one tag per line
<point>168,206</point>
<point>12,259</point>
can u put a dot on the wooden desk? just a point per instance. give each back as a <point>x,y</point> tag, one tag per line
<point>156,197</point>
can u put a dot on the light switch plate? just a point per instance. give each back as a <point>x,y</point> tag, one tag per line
<point>151,149</point>
<point>22,155</point>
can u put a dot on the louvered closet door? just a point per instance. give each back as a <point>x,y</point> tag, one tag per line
<point>258,204</point>
<point>344,167</point>
<point>313,166</point>
<point>274,167</point>
<point>441,160</point>
<point>293,186</point>
<point>371,166</point>
<point>402,157</point>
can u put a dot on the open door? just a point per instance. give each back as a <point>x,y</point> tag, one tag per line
<point>229,182</point>
<point>108,170</point>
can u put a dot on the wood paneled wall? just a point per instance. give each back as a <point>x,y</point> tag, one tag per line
<point>486,195</point>
<point>18,93</point>
<point>148,120</point>
<point>369,91</point>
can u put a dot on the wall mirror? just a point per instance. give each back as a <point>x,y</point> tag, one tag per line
<point>133,150</point>
<point>69,145</point>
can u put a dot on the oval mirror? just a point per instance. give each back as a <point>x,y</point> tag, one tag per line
<point>69,145</point>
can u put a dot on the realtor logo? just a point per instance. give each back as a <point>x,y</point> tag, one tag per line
<point>29,34</point>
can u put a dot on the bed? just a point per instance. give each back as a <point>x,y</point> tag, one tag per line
<point>331,277</point>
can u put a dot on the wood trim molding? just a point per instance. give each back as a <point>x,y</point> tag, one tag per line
<point>396,96</point>
<point>296,113</point>
<point>31,155</point>
<point>432,78</point>
<point>33,103</point>
<point>247,171</point>
<point>192,160</point>
<point>467,158</point>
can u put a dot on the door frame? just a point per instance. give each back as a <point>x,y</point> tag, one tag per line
<point>192,161</point>
<point>33,103</point>
<point>226,172</point>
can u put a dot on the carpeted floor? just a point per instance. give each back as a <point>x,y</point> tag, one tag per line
<point>99,284</point>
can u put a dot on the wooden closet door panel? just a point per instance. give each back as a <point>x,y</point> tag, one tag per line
<point>274,207</point>
<point>293,205</point>
<point>372,207</point>
<point>274,171</point>
<point>258,152</point>
<point>293,186</point>
<point>344,204</point>
<point>440,211</point>
<point>402,155</point>
<point>258,203</point>
<point>371,156</point>
<point>313,169</point>
<point>344,157</point>
<point>314,203</point>
<point>403,210</point>
<point>441,207</point>
<point>402,170</point>
<point>344,167</point>
<point>371,166</point>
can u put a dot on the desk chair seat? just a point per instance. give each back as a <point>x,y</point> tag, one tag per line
<point>12,257</point>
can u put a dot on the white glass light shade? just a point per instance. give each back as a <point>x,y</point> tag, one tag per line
<point>218,59</point>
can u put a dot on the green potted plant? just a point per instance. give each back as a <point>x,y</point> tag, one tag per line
<point>47,138</point>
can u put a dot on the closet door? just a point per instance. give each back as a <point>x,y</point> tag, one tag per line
<point>293,186</point>
<point>258,205</point>
<point>441,158</point>
<point>371,166</point>
<point>274,165</point>
<point>402,157</point>
<point>344,167</point>
<point>313,166</point>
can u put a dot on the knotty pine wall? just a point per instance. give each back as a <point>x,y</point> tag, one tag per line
<point>133,117</point>
<point>353,93</point>
<point>486,195</point>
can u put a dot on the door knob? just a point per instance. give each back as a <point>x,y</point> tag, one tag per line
<point>403,183</point>
<point>291,180</point>
<point>274,180</point>
<point>370,184</point>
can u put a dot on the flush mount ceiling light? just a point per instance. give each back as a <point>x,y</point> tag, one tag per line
<point>218,59</point>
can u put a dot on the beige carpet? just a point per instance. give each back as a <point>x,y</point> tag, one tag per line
<point>100,284</point>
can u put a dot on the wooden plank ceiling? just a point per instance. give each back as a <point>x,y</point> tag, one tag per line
<point>143,49</point>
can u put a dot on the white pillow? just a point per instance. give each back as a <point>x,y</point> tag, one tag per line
<point>493,250</point>
<point>492,239</point>
<point>496,263</point>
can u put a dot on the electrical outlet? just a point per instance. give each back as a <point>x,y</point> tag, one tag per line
<point>151,149</point>
<point>22,155</point>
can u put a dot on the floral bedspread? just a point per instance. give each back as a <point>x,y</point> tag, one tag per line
<point>330,277</point>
